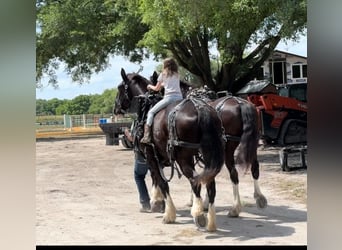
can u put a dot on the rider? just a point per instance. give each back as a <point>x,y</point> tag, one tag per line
<point>170,80</point>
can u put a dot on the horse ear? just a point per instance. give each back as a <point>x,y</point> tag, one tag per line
<point>154,77</point>
<point>123,75</point>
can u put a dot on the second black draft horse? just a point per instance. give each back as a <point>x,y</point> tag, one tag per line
<point>189,127</point>
<point>240,121</point>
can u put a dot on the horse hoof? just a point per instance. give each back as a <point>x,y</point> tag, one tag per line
<point>201,221</point>
<point>261,202</point>
<point>158,207</point>
<point>167,221</point>
<point>233,213</point>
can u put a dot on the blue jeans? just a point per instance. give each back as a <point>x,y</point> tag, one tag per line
<point>140,171</point>
<point>160,105</point>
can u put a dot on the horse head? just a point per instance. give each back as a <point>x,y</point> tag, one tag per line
<point>122,99</point>
<point>132,85</point>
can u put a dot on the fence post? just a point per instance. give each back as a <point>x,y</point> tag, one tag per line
<point>84,121</point>
<point>66,121</point>
<point>70,118</point>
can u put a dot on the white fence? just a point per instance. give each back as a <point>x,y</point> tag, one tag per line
<point>70,121</point>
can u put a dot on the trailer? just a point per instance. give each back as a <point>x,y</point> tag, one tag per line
<point>114,132</point>
<point>293,157</point>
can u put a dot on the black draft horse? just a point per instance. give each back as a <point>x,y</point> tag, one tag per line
<point>179,132</point>
<point>240,121</point>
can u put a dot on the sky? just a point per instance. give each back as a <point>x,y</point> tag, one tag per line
<point>111,77</point>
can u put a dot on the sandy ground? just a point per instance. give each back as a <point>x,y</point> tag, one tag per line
<point>86,195</point>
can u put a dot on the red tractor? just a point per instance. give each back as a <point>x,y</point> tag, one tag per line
<point>282,111</point>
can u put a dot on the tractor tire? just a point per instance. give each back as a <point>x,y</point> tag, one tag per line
<point>292,132</point>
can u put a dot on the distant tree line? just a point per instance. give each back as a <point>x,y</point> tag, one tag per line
<point>82,104</point>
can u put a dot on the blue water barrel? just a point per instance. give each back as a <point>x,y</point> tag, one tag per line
<point>102,120</point>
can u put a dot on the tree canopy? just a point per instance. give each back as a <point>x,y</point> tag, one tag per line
<point>82,104</point>
<point>236,36</point>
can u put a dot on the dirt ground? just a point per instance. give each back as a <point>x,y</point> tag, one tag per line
<point>86,195</point>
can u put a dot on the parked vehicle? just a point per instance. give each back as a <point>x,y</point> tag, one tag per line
<point>282,111</point>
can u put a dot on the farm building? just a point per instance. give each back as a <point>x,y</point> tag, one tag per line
<point>284,68</point>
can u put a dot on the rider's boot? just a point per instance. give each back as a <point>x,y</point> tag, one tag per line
<point>147,134</point>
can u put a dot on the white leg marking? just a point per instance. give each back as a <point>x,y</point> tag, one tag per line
<point>236,209</point>
<point>170,211</point>
<point>197,207</point>
<point>211,218</point>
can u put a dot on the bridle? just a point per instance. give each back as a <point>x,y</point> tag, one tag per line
<point>121,98</point>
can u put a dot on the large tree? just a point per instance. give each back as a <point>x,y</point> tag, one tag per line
<point>239,35</point>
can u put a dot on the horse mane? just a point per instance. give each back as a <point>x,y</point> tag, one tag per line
<point>139,78</point>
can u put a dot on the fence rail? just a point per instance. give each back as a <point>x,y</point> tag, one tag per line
<point>74,125</point>
<point>68,122</point>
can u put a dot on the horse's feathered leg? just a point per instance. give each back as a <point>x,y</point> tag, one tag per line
<point>234,177</point>
<point>197,210</point>
<point>160,191</point>
<point>170,210</point>
<point>247,150</point>
<point>157,200</point>
<point>211,191</point>
<point>186,163</point>
<point>212,149</point>
<point>158,203</point>
<point>260,199</point>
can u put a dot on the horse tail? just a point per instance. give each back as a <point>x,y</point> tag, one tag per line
<point>212,146</point>
<point>247,148</point>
